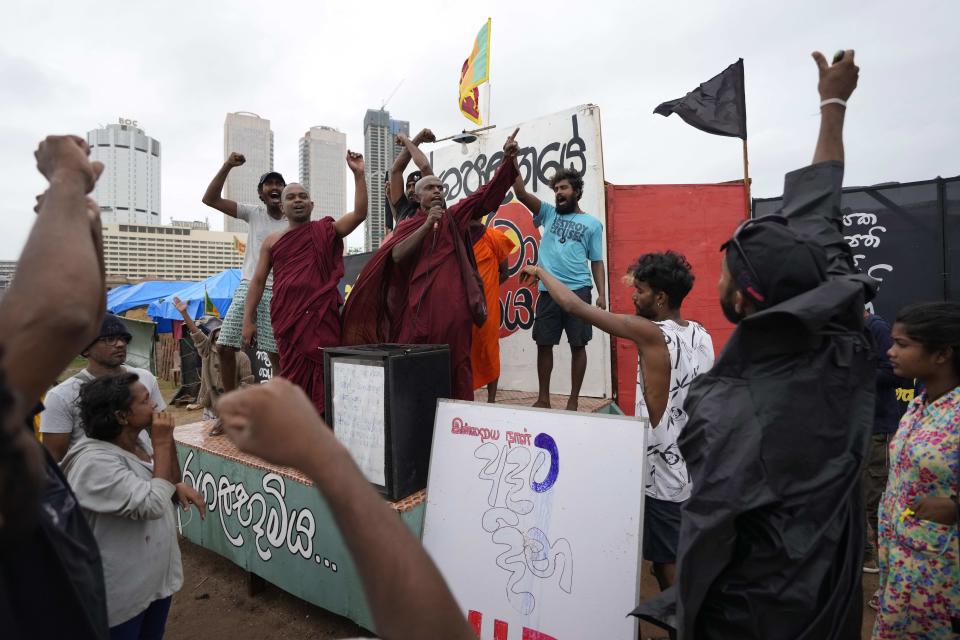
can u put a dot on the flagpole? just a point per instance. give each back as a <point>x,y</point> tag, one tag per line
<point>488,92</point>
<point>746,179</point>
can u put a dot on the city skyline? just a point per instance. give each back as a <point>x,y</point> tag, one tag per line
<point>178,83</point>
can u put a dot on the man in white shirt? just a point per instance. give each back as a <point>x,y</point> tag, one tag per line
<point>672,353</point>
<point>264,218</point>
<point>60,420</point>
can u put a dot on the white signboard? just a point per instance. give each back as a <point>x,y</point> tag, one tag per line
<point>570,138</point>
<point>358,422</point>
<point>534,518</point>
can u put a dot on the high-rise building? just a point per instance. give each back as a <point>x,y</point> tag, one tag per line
<point>8,268</point>
<point>323,170</point>
<point>128,192</point>
<point>380,150</point>
<point>249,134</point>
<point>168,252</point>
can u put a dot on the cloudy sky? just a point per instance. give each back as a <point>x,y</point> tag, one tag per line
<point>178,68</point>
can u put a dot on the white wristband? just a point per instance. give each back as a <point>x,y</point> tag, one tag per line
<point>842,103</point>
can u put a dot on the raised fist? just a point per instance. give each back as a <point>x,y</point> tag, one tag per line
<point>235,159</point>
<point>510,147</point>
<point>59,156</point>
<point>839,79</point>
<point>355,161</point>
<point>426,135</point>
<point>275,421</point>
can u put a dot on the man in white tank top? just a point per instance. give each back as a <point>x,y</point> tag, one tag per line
<point>672,352</point>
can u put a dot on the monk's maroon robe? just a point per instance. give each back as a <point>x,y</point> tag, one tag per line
<point>307,267</point>
<point>422,301</point>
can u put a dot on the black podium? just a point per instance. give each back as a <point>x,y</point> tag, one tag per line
<point>381,401</point>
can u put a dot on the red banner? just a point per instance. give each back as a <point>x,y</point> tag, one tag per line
<point>691,219</point>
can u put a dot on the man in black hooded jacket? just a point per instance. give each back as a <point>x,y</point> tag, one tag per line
<point>771,539</point>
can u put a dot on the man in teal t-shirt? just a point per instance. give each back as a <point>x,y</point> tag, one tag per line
<point>571,248</point>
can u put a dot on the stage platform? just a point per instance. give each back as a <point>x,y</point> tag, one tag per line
<point>557,401</point>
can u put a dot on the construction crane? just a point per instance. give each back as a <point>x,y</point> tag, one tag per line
<point>383,105</point>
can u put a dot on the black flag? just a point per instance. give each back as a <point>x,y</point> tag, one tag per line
<point>717,106</point>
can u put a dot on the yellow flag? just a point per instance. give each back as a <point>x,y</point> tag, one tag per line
<point>475,71</point>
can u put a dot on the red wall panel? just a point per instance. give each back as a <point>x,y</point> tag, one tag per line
<point>691,219</point>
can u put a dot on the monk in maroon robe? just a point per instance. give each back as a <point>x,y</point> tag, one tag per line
<point>411,291</point>
<point>307,263</point>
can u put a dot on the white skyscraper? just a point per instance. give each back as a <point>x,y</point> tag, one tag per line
<point>380,150</point>
<point>249,134</point>
<point>323,170</point>
<point>128,192</point>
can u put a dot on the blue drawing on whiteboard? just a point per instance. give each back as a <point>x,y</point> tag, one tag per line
<point>513,492</point>
<point>548,444</point>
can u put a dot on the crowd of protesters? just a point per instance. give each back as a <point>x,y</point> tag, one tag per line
<point>768,502</point>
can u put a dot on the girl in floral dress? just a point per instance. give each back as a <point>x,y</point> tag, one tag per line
<point>919,554</point>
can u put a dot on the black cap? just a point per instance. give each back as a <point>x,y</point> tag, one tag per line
<point>112,327</point>
<point>414,177</point>
<point>270,174</point>
<point>786,263</point>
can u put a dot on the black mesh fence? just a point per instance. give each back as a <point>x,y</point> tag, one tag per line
<point>907,236</point>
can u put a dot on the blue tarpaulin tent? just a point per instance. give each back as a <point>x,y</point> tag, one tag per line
<point>129,297</point>
<point>220,288</point>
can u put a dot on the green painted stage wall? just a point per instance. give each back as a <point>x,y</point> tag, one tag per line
<point>277,528</point>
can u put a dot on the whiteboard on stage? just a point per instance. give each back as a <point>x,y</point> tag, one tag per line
<point>359,421</point>
<point>570,138</point>
<point>535,518</point>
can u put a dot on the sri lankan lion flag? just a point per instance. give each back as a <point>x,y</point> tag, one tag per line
<point>209,309</point>
<point>475,71</point>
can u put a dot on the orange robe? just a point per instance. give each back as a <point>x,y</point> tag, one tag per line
<point>490,250</point>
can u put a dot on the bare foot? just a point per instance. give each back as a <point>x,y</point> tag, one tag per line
<point>217,429</point>
<point>542,404</point>
<point>573,404</point>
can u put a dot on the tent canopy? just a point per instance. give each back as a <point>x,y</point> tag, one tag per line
<point>219,287</point>
<point>128,297</point>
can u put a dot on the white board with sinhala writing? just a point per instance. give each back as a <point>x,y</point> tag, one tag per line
<point>535,519</point>
<point>358,422</point>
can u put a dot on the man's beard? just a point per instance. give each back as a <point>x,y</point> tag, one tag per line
<point>730,311</point>
<point>568,206</point>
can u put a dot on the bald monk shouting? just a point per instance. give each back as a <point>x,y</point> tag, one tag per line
<point>412,291</point>
<point>307,262</point>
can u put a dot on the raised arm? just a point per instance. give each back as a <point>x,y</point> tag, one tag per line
<point>526,198</point>
<point>640,330</point>
<point>811,196</point>
<point>255,289</point>
<point>411,149</point>
<point>407,595</point>
<point>181,306</point>
<point>42,333</point>
<point>837,82</point>
<point>489,197</point>
<point>213,196</point>
<point>350,221</point>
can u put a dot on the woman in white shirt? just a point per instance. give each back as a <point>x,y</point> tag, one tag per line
<point>127,483</point>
